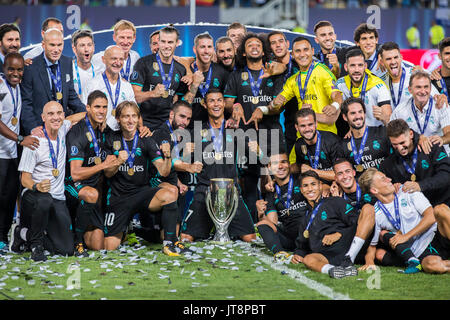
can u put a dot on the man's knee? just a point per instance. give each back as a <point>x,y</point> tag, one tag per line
<point>433,264</point>
<point>379,254</point>
<point>441,212</point>
<point>168,195</point>
<point>88,194</point>
<point>248,237</point>
<point>186,237</point>
<point>95,239</point>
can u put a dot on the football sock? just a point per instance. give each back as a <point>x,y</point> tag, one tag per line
<point>169,221</point>
<point>270,238</point>
<point>355,247</point>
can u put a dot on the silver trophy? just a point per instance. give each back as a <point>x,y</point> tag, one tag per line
<point>222,202</point>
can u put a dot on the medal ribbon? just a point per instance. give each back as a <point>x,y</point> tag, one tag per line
<point>289,69</point>
<point>444,89</point>
<point>396,222</point>
<point>174,138</point>
<point>289,192</point>
<point>217,142</point>
<point>322,58</point>
<point>15,99</point>
<point>301,89</point>
<point>357,154</point>
<point>400,89</point>
<point>166,79</point>
<point>132,154</point>
<point>427,116</point>
<point>316,153</point>
<point>313,215</point>
<point>374,61</point>
<point>411,169</point>
<point>78,75</point>
<point>204,87</point>
<point>126,74</point>
<point>255,85</point>
<point>94,136</point>
<point>56,79</point>
<point>108,87</point>
<point>362,94</point>
<point>53,156</point>
<point>358,196</point>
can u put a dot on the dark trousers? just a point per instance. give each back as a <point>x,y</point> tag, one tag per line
<point>9,188</point>
<point>49,222</point>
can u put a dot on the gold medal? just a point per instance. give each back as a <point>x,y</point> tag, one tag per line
<point>202,102</point>
<point>116,145</point>
<point>306,234</point>
<point>89,136</point>
<point>59,96</point>
<point>244,76</point>
<point>413,177</point>
<point>155,66</point>
<point>304,150</point>
<point>165,94</point>
<point>55,172</point>
<point>14,121</point>
<point>359,168</point>
<point>218,156</point>
<point>97,160</point>
<point>255,100</point>
<point>130,171</point>
<point>113,112</point>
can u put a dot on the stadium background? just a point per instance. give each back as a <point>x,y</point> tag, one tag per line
<point>394,22</point>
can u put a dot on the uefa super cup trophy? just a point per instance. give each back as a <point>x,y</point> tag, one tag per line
<point>222,202</point>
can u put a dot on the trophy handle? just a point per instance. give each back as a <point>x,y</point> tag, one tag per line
<point>234,206</point>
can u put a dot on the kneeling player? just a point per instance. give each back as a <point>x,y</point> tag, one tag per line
<point>404,222</point>
<point>85,155</point>
<point>129,192</point>
<point>285,209</point>
<point>326,231</point>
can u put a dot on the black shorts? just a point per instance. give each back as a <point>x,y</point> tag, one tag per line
<point>440,246</point>
<point>72,190</point>
<point>198,223</point>
<point>120,211</point>
<point>336,252</point>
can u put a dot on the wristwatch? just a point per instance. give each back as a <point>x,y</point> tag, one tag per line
<point>19,139</point>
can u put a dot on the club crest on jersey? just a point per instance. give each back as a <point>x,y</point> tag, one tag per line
<point>244,76</point>
<point>89,136</point>
<point>155,66</point>
<point>304,150</point>
<point>376,145</point>
<point>134,76</point>
<point>117,145</point>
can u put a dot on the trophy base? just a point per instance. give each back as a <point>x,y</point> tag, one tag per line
<point>223,238</point>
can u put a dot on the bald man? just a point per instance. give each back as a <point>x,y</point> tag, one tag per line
<point>112,84</point>
<point>45,220</point>
<point>48,78</point>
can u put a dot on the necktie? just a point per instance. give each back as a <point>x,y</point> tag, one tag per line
<point>53,68</point>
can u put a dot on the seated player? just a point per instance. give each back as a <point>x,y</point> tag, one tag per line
<point>219,161</point>
<point>326,231</point>
<point>404,223</point>
<point>282,210</point>
<point>129,192</point>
